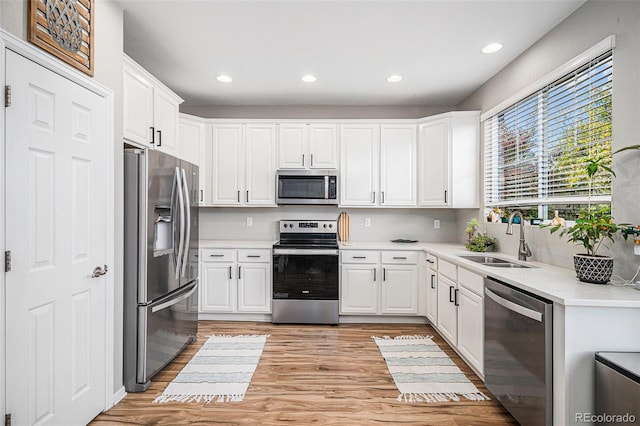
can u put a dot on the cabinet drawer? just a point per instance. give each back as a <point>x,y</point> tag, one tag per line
<point>432,261</point>
<point>403,257</point>
<point>218,255</point>
<point>359,256</point>
<point>447,269</point>
<point>254,255</point>
<point>471,280</point>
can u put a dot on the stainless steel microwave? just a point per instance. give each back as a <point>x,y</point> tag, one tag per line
<point>307,187</point>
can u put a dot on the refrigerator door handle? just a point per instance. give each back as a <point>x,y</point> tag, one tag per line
<point>181,235</point>
<point>175,301</point>
<point>187,230</point>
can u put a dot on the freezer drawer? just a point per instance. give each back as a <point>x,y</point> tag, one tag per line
<point>164,329</point>
<point>617,387</point>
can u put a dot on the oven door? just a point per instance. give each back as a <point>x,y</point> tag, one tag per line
<point>304,274</point>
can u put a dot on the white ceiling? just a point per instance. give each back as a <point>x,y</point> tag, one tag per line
<point>351,46</point>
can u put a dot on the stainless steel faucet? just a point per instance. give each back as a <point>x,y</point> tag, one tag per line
<point>523,250</point>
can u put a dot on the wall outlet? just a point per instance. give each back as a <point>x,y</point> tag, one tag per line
<point>436,224</point>
<point>249,221</point>
<point>367,222</point>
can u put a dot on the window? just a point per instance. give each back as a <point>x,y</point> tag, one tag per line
<point>536,149</point>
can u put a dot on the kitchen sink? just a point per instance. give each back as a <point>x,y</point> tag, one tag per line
<point>493,261</point>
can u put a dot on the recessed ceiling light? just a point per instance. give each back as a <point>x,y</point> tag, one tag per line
<point>491,48</point>
<point>394,78</point>
<point>224,79</point>
<point>309,78</point>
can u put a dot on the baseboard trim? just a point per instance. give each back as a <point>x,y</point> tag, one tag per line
<point>118,396</point>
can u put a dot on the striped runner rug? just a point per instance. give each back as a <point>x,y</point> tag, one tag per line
<point>220,370</point>
<point>422,372</point>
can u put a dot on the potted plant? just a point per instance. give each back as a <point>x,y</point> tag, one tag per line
<point>593,226</point>
<point>478,242</point>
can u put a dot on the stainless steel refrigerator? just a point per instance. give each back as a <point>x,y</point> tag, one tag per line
<point>160,262</point>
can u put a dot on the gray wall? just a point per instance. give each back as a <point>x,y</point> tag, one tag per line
<point>386,224</point>
<point>108,42</point>
<point>313,111</point>
<point>590,24</point>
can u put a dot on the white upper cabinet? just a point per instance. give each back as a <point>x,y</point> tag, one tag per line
<point>260,164</point>
<point>323,146</point>
<point>398,165</point>
<point>448,151</point>
<point>138,106</point>
<point>292,145</point>
<point>150,110</point>
<point>359,164</point>
<point>192,148</point>
<point>307,146</point>
<point>434,163</point>
<point>378,165</point>
<point>242,161</point>
<point>226,162</point>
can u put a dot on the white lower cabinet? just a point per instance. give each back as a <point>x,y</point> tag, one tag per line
<point>399,289</point>
<point>460,312</point>
<point>447,309</point>
<point>217,287</point>
<point>235,281</point>
<point>254,289</point>
<point>374,282</point>
<point>359,289</point>
<point>432,288</point>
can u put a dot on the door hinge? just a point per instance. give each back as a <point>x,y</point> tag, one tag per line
<point>7,419</point>
<point>7,260</point>
<point>7,96</point>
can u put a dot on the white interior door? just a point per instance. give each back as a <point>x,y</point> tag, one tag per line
<point>56,202</point>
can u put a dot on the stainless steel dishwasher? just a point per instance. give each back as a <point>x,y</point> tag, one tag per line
<point>518,356</point>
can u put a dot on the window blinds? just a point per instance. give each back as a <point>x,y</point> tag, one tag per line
<point>537,149</point>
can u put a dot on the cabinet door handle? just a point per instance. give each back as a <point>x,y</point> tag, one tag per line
<point>445,195</point>
<point>230,272</point>
<point>382,198</point>
<point>302,160</point>
<point>239,272</point>
<point>455,297</point>
<point>159,137</point>
<point>374,197</point>
<point>238,196</point>
<point>451,294</point>
<point>384,274</point>
<point>375,275</point>
<point>201,195</point>
<point>358,257</point>
<point>400,257</point>
<point>247,197</point>
<point>216,255</point>
<point>433,281</point>
<point>153,135</point>
<point>311,160</point>
<point>430,261</point>
<point>254,255</point>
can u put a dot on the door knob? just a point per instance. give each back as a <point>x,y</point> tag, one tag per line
<point>99,271</point>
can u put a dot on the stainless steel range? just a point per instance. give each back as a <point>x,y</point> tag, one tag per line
<point>305,273</point>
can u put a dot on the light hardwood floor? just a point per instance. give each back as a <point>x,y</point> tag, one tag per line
<point>326,375</point>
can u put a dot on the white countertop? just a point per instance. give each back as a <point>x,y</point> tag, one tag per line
<point>559,285</point>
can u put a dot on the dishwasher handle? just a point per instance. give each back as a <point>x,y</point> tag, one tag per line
<point>529,313</point>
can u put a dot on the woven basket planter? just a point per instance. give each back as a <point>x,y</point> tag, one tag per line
<point>593,269</point>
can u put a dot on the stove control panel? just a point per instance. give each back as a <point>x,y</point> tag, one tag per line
<point>309,226</point>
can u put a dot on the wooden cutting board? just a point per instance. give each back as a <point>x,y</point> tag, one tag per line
<point>343,226</point>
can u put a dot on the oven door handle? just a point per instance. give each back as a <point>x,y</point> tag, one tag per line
<point>303,252</point>
<point>529,313</point>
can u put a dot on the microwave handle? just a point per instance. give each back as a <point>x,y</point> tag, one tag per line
<point>326,187</point>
